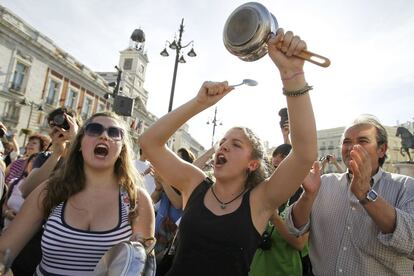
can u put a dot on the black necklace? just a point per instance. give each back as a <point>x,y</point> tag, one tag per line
<point>224,204</point>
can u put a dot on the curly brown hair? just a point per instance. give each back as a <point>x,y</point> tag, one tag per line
<point>258,153</point>
<point>43,140</point>
<point>70,178</point>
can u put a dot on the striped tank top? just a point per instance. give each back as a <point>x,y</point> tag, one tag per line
<point>70,251</point>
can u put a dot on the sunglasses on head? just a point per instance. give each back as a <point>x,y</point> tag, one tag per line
<point>96,129</point>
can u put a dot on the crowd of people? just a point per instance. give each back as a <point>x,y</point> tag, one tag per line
<point>69,197</point>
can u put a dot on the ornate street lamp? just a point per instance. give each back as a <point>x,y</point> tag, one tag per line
<point>214,122</point>
<point>179,58</point>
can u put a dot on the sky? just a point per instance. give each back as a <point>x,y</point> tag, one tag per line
<point>370,45</point>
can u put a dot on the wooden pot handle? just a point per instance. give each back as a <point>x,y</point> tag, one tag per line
<point>311,57</point>
<point>314,58</point>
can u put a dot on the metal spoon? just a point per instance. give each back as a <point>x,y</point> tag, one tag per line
<point>248,82</point>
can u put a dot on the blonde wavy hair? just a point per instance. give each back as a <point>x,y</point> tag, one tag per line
<point>70,178</point>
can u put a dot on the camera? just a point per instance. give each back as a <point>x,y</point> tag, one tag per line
<point>266,242</point>
<point>326,157</point>
<point>58,119</point>
<point>283,113</point>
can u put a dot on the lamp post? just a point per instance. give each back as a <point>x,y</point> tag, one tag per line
<point>214,122</point>
<point>25,102</point>
<point>177,46</point>
<point>115,84</point>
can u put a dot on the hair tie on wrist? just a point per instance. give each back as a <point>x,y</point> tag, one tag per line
<point>293,76</point>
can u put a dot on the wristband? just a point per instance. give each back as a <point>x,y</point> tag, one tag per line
<point>293,76</point>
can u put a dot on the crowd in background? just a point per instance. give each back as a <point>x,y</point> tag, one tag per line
<point>69,197</point>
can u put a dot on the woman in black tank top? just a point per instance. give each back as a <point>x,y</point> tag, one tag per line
<point>222,222</point>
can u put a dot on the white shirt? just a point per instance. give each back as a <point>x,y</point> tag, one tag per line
<point>149,181</point>
<point>15,201</point>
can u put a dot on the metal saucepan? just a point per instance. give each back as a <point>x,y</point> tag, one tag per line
<point>247,30</point>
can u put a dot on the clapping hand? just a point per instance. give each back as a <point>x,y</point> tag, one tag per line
<point>361,168</point>
<point>312,181</point>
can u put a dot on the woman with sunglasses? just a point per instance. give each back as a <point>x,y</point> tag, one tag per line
<point>222,222</point>
<point>92,203</point>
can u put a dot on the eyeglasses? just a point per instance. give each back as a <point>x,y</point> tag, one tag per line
<point>96,129</point>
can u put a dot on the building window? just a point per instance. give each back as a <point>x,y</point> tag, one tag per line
<point>141,68</point>
<point>101,107</point>
<point>128,64</point>
<point>11,112</point>
<point>19,77</point>
<point>72,99</point>
<point>87,108</point>
<point>53,92</point>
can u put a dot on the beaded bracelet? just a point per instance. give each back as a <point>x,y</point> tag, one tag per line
<point>298,92</point>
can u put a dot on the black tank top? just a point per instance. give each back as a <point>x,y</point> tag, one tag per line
<point>214,245</point>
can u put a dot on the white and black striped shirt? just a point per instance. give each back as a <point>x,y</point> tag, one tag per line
<point>70,251</point>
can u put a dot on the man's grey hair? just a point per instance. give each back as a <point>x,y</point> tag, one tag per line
<point>381,137</point>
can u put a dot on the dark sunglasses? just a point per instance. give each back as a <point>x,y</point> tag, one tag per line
<point>96,129</point>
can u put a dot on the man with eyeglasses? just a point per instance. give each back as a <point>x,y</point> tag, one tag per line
<point>361,222</point>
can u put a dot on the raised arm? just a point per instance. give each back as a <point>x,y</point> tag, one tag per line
<point>39,175</point>
<point>15,144</point>
<point>334,161</point>
<point>290,173</point>
<point>60,143</point>
<point>285,133</point>
<point>153,141</point>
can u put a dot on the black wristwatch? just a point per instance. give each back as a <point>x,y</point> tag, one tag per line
<point>370,197</point>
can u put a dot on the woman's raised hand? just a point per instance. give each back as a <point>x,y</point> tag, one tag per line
<point>282,47</point>
<point>212,92</point>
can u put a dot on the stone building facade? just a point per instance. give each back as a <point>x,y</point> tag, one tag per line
<point>37,76</point>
